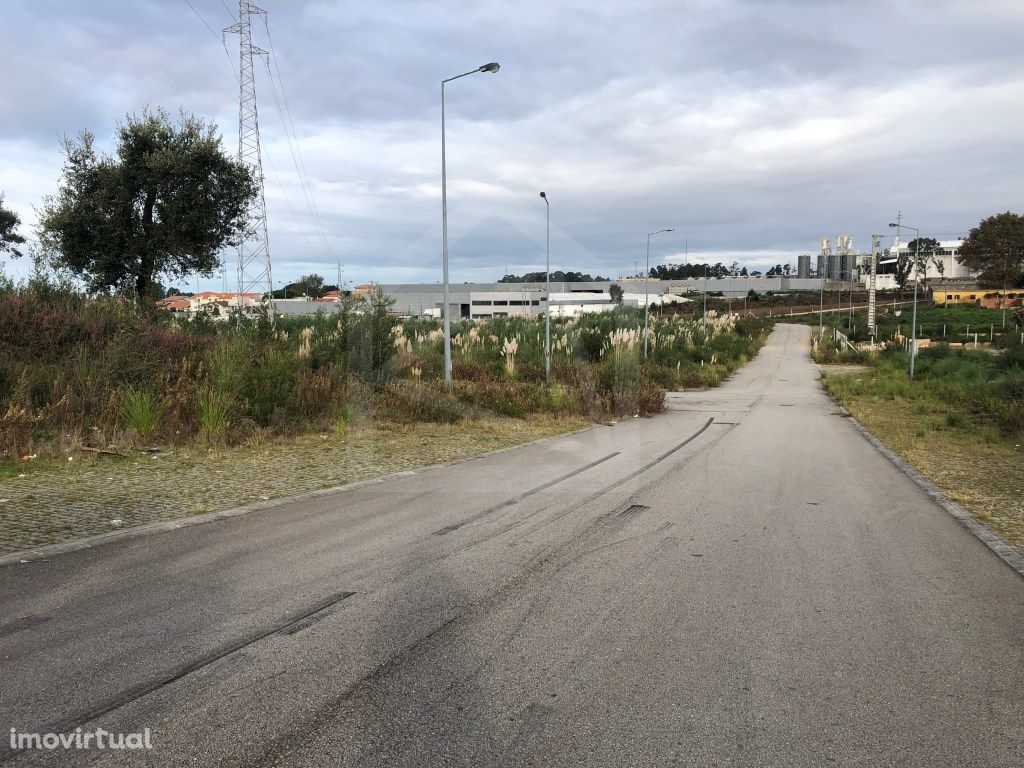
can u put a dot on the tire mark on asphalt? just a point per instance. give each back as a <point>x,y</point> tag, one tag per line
<point>516,499</point>
<point>635,473</point>
<point>141,690</point>
<point>555,558</point>
<point>20,625</point>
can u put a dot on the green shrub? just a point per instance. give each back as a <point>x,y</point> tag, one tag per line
<point>410,401</point>
<point>955,420</point>
<point>141,410</point>
<point>214,406</point>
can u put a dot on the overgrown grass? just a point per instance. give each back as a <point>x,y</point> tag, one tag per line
<point>76,370</point>
<point>955,324</point>
<point>967,389</point>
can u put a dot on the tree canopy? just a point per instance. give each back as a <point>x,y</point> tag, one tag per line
<point>557,276</point>
<point>163,205</point>
<point>995,248</point>
<point>683,271</point>
<point>308,285</point>
<point>9,237</point>
<point>923,249</point>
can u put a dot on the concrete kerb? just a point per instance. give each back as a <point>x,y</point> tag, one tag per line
<point>1008,552</point>
<point>89,542</point>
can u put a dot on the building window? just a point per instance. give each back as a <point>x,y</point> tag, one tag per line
<point>482,303</point>
<point>500,303</point>
<point>514,303</point>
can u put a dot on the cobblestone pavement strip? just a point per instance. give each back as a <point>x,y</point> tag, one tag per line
<point>49,503</point>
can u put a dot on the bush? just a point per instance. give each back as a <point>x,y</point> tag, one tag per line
<point>72,365</point>
<point>214,408</point>
<point>141,411</point>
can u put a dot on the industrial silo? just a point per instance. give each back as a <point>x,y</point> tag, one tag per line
<point>803,266</point>
<point>835,266</point>
<point>849,265</point>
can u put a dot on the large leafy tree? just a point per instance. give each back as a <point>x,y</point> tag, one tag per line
<point>904,265</point>
<point>311,285</point>
<point>995,248</point>
<point>163,205</point>
<point>920,251</point>
<point>9,237</point>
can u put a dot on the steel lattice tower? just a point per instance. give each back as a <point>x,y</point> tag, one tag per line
<point>254,249</point>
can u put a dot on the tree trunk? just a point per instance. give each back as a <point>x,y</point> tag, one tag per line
<point>147,263</point>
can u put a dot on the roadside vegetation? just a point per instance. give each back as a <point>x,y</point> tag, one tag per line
<point>99,372</point>
<point>960,420</point>
<point>954,324</point>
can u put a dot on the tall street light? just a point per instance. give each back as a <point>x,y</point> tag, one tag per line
<point>821,301</point>
<point>647,285</point>
<point>917,277</point>
<point>705,302</point>
<point>547,288</point>
<point>492,67</point>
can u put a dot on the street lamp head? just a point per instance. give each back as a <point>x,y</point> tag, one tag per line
<point>544,195</point>
<point>891,224</point>
<point>492,67</point>
<point>670,230</point>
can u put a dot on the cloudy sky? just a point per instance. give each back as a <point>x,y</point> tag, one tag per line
<point>752,127</point>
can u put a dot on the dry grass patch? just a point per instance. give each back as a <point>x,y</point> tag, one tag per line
<point>48,501</point>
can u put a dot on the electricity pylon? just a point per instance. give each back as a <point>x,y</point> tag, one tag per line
<point>254,249</point>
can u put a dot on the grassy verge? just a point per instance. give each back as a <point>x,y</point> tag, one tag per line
<point>45,501</point>
<point>960,422</point>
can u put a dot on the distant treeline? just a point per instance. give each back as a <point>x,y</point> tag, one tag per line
<point>558,276</point>
<point>683,271</point>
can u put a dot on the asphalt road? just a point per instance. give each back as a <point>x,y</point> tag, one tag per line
<point>743,580</point>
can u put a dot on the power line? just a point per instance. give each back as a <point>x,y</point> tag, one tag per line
<point>288,202</point>
<point>227,53</point>
<point>198,16</point>
<point>291,151</point>
<point>300,165</point>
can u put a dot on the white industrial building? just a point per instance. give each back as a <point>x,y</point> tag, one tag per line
<point>480,300</point>
<point>951,269</point>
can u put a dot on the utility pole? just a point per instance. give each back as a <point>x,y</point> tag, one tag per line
<point>254,272</point>
<point>647,285</point>
<point>547,285</point>
<point>338,284</point>
<point>705,302</point>
<point>872,326</point>
<point>849,324</point>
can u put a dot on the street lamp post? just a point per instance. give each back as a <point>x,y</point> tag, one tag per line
<point>705,301</point>
<point>647,285</point>
<point>917,278</point>
<point>547,287</point>
<point>492,67</point>
<point>821,306</point>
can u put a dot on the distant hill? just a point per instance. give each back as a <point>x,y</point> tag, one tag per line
<point>557,276</point>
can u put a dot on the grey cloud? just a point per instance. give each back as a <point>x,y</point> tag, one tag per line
<point>752,127</point>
